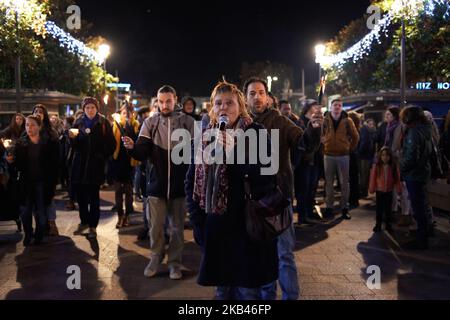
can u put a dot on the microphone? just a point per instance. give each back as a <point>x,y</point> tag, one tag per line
<point>223,121</point>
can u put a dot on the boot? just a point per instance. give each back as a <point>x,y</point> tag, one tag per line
<point>52,229</point>
<point>70,205</point>
<point>120,222</point>
<point>19,225</point>
<point>126,221</point>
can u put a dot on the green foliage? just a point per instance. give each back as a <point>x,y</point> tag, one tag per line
<point>428,53</point>
<point>45,65</point>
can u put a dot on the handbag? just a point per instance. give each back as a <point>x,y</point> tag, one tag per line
<point>268,217</point>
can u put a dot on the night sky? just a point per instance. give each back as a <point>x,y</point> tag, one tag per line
<point>190,44</point>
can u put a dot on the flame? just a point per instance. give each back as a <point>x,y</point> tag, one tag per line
<point>117,117</point>
<point>7,143</point>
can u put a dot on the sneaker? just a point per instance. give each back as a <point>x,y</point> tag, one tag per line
<point>377,228</point>
<point>175,273</point>
<point>92,233</point>
<point>152,268</point>
<point>82,228</point>
<point>52,229</point>
<point>346,215</point>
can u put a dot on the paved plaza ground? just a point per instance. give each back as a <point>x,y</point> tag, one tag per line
<point>332,260</point>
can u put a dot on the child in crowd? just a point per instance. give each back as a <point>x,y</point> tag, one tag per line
<point>384,177</point>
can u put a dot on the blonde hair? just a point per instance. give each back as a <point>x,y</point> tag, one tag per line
<point>225,87</point>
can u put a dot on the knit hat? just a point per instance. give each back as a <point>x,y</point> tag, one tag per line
<point>90,100</point>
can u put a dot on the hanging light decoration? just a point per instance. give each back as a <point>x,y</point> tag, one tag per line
<point>408,9</point>
<point>72,45</point>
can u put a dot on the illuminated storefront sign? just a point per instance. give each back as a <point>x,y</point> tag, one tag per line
<point>424,86</point>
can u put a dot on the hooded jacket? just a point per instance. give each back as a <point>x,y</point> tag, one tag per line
<point>417,146</point>
<point>154,143</point>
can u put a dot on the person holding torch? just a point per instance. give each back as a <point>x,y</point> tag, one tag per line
<point>125,125</point>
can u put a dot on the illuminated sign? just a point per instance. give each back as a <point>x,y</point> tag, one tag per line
<point>125,86</point>
<point>425,86</point>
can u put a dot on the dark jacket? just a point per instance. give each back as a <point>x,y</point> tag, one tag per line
<point>91,151</point>
<point>8,133</point>
<point>153,144</point>
<point>122,168</point>
<point>367,143</point>
<point>291,137</point>
<point>47,163</point>
<point>229,257</point>
<point>314,155</point>
<point>417,146</point>
<point>381,135</point>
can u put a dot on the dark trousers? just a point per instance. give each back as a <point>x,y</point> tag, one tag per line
<point>127,189</point>
<point>384,207</point>
<point>89,204</point>
<point>417,196</point>
<point>35,203</point>
<point>306,178</point>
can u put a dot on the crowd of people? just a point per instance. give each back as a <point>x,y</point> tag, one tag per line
<point>396,160</point>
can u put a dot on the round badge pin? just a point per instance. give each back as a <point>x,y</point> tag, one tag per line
<point>88,131</point>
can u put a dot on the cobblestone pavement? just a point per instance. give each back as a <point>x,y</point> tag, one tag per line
<point>332,260</point>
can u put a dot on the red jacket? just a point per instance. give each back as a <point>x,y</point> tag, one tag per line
<point>385,181</point>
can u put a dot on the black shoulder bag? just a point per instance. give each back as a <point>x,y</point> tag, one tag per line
<point>268,217</point>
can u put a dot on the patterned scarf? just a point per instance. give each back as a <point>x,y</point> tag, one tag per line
<point>211,181</point>
<point>390,131</point>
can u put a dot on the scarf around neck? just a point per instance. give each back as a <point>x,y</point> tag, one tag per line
<point>89,123</point>
<point>211,181</point>
<point>391,127</point>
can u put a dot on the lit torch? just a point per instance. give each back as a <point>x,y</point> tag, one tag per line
<point>9,146</point>
<point>117,120</point>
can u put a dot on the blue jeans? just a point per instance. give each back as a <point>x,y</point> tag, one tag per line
<point>237,293</point>
<point>307,177</point>
<point>51,211</point>
<point>287,269</point>
<point>137,181</point>
<point>417,196</point>
<point>35,202</point>
<point>146,212</point>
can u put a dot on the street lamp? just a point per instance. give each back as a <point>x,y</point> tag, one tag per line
<point>104,50</point>
<point>320,53</point>
<point>18,7</point>
<point>269,82</point>
<point>403,61</point>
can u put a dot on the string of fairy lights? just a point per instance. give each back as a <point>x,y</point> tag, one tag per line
<point>408,8</point>
<point>399,8</point>
<point>72,45</point>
